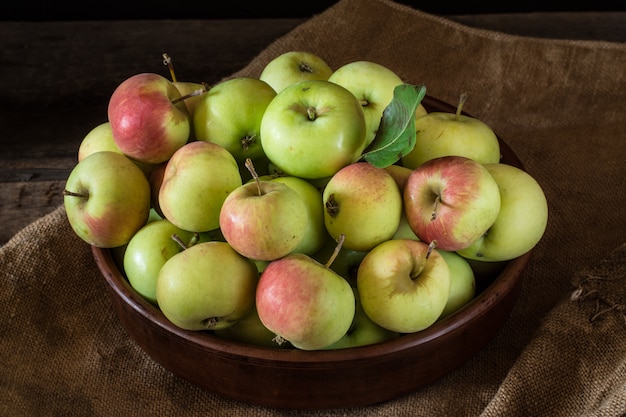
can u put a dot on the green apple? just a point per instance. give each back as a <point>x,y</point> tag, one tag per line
<point>252,331</point>
<point>451,200</point>
<point>147,121</point>
<point>462,283</point>
<point>192,94</point>
<point>315,235</point>
<point>403,285</point>
<point>149,249</point>
<point>230,114</point>
<point>197,180</point>
<point>304,302</point>
<point>208,286</point>
<point>292,67</point>
<point>373,85</point>
<point>107,199</point>
<point>363,330</point>
<point>400,174</point>
<point>363,203</point>
<point>100,138</point>
<point>521,221</point>
<point>312,129</point>
<point>442,133</point>
<point>264,220</point>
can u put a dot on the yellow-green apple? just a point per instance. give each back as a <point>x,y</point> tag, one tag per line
<point>230,115</point>
<point>443,133</point>
<point>107,199</point>
<point>373,86</point>
<point>208,286</point>
<point>400,174</point>
<point>149,249</point>
<point>292,67</point>
<point>192,94</point>
<point>363,203</point>
<point>304,302</point>
<point>521,221</point>
<point>403,285</point>
<point>197,180</point>
<point>100,138</point>
<point>252,331</point>
<point>312,129</point>
<point>264,220</point>
<point>363,330</point>
<point>452,200</point>
<point>147,121</point>
<point>315,235</point>
<point>462,282</point>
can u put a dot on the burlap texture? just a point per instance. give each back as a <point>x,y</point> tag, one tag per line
<point>559,104</point>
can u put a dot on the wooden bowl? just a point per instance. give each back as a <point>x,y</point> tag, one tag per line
<point>296,379</point>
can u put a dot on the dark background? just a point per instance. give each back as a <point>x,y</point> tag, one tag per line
<point>34,10</point>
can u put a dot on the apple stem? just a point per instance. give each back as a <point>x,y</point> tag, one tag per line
<point>199,91</point>
<point>462,101</point>
<point>254,174</point>
<point>167,61</point>
<point>332,258</point>
<point>431,246</point>
<point>433,215</point>
<point>311,113</point>
<point>178,240</point>
<point>73,194</point>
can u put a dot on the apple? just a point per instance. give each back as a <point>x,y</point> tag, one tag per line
<point>315,235</point>
<point>100,138</point>
<point>462,283</point>
<point>444,133</point>
<point>521,221</point>
<point>155,179</point>
<point>230,114</point>
<point>107,199</point>
<point>197,180</point>
<point>149,249</point>
<point>400,174</point>
<point>264,220</point>
<point>312,129</point>
<point>147,122</point>
<point>292,67</point>
<point>208,286</point>
<point>452,200</point>
<point>363,330</point>
<point>403,285</point>
<point>373,85</point>
<point>363,203</point>
<point>251,330</point>
<point>192,94</point>
<point>304,302</point>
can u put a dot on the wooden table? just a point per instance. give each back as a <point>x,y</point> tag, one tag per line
<point>56,78</point>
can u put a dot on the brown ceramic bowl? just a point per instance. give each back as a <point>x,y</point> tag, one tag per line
<point>290,378</point>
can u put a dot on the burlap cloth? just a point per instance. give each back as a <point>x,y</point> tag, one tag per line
<point>561,106</point>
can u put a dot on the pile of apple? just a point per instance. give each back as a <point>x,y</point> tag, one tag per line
<point>307,208</point>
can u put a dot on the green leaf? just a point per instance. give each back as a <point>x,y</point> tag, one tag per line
<point>396,134</point>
